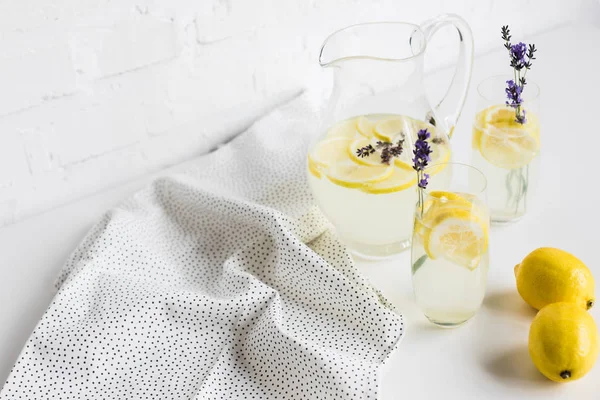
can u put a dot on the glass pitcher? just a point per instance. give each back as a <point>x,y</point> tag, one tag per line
<point>360,168</point>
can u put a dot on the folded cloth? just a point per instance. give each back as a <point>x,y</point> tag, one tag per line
<point>222,282</point>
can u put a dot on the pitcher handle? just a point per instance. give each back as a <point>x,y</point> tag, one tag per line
<point>448,110</point>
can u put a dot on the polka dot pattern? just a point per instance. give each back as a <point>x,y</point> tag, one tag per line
<point>223,282</point>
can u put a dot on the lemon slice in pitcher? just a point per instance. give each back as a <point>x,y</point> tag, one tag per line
<point>457,235</point>
<point>389,129</point>
<point>400,179</point>
<point>351,175</point>
<point>365,126</point>
<point>344,129</point>
<point>373,159</point>
<point>440,155</point>
<point>327,153</point>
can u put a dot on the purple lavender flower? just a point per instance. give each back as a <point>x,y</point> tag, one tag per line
<point>517,56</point>
<point>423,182</point>
<point>422,154</point>
<point>520,58</point>
<point>513,93</point>
<point>421,151</point>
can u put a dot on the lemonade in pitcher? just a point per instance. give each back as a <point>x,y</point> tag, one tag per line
<point>368,200</point>
<point>360,167</point>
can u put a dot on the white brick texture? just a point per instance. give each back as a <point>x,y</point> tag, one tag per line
<point>97,92</point>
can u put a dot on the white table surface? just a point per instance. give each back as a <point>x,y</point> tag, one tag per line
<point>486,358</point>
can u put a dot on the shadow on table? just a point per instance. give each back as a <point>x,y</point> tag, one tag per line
<point>515,365</point>
<point>509,302</point>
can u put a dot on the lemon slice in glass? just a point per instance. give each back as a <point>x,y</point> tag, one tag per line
<point>478,127</point>
<point>352,175</point>
<point>503,141</point>
<point>508,148</point>
<point>437,200</point>
<point>504,117</point>
<point>457,235</point>
<point>346,129</point>
<point>400,179</point>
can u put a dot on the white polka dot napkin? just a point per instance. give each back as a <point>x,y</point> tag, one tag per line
<point>219,283</point>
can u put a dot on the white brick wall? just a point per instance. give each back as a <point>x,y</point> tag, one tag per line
<point>97,92</point>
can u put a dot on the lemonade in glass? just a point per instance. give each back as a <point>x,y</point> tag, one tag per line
<point>507,151</point>
<point>370,202</point>
<point>450,258</point>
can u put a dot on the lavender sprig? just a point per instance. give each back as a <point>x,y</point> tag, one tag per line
<point>365,151</point>
<point>422,150</point>
<point>521,56</point>
<point>513,93</point>
<point>506,36</point>
<point>424,181</point>
<point>388,150</point>
<point>517,56</point>
<point>422,156</point>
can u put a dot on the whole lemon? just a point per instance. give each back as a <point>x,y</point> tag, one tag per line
<point>549,275</point>
<point>563,342</point>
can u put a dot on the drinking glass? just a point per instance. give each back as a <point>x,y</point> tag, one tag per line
<point>506,150</point>
<point>450,246</point>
